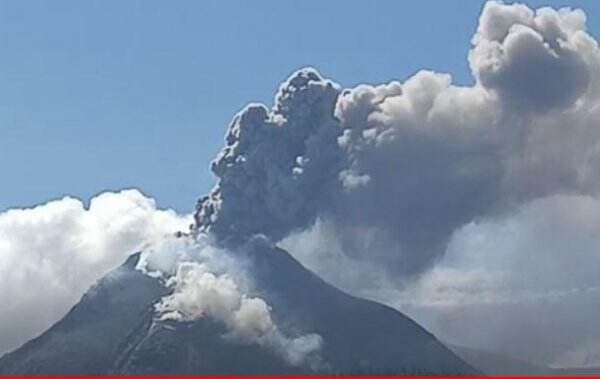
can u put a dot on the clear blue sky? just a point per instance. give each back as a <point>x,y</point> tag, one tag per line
<point>98,95</point>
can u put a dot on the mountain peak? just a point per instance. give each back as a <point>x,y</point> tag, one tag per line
<point>114,329</point>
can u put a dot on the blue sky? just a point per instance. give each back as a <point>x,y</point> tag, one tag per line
<point>98,95</point>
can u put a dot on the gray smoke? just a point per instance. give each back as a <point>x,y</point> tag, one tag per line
<point>274,162</point>
<point>393,172</point>
<point>414,161</point>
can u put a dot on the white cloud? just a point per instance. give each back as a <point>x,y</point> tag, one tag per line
<point>459,204</point>
<point>51,254</point>
<point>208,282</point>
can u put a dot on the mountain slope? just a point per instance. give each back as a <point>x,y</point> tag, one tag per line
<point>87,339</point>
<point>114,330</point>
<point>583,371</point>
<point>359,335</point>
<point>497,364</point>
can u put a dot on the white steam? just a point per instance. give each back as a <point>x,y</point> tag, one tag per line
<point>208,283</point>
<point>473,208</point>
<point>51,254</point>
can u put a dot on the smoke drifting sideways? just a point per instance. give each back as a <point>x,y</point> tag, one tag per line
<point>414,161</point>
<point>408,184</point>
<point>394,172</point>
<point>209,282</point>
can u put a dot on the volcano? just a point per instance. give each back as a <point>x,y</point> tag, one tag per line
<point>114,329</point>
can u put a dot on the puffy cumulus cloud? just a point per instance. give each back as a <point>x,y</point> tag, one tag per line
<point>51,254</point>
<point>207,282</point>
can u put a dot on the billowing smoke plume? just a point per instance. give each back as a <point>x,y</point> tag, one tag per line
<point>51,254</point>
<point>394,172</point>
<point>397,191</point>
<point>208,283</point>
<point>413,161</point>
<point>274,163</point>
<point>434,156</point>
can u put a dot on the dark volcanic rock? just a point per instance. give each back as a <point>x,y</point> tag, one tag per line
<point>114,330</point>
<point>87,340</point>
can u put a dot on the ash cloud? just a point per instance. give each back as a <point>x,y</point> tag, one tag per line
<point>388,176</point>
<point>534,60</point>
<point>398,191</point>
<point>412,161</point>
<point>438,155</point>
<point>274,161</point>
